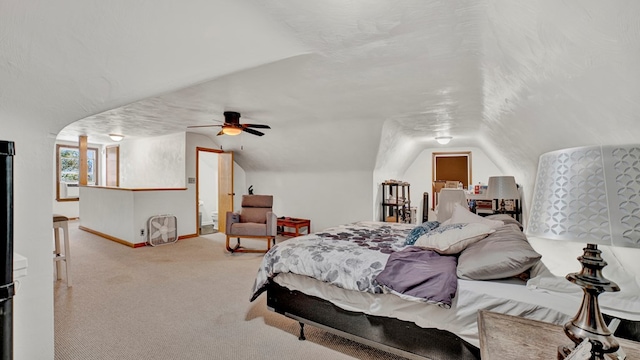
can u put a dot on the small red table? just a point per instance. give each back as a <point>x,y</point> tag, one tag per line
<point>295,223</point>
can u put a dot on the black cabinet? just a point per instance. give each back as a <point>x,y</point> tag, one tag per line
<point>396,202</point>
<point>485,207</point>
<point>510,207</point>
<point>7,288</point>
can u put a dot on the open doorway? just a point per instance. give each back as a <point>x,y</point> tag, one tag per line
<point>207,184</point>
<point>214,189</point>
<point>450,166</point>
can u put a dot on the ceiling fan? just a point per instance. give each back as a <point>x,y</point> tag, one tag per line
<point>232,125</point>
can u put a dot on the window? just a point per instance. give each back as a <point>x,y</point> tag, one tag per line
<point>68,171</point>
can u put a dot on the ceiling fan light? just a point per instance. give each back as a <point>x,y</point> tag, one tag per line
<point>116,137</point>
<point>443,139</point>
<point>231,130</point>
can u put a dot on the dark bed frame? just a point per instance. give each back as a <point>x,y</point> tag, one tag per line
<point>392,335</point>
<point>389,334</point>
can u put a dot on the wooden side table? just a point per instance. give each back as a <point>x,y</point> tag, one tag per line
<point>512,337</point>
<point>294,223</point>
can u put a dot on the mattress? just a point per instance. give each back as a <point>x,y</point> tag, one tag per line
<point>509,297</point>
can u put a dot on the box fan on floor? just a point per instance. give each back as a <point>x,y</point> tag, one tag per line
<point>162,229</point>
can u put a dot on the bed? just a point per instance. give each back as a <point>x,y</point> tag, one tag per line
<point>336,280</point>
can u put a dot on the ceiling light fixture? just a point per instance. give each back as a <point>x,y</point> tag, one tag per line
<point>443,139</point>
<point>116,137</point>
<point>231,130</point>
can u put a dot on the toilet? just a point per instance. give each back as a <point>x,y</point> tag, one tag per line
<point>214,217</point>
<point>206,224</point>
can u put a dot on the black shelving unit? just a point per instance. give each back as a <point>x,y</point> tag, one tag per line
<point>396,202</point>
<point>515,213</point>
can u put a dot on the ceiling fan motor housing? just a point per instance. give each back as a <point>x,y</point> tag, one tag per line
<point>232,126</point>
<point>232,117</point>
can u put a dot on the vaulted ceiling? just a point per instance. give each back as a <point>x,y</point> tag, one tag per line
<point>344,84</point>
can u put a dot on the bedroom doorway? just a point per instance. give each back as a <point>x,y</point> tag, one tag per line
<point>207,191</point>
<point>450,166</point>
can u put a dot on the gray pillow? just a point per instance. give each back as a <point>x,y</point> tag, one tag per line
<point>504,253</point>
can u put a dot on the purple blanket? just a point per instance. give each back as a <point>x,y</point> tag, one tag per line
<point>422,275</point>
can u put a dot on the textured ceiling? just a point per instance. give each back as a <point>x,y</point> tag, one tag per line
<point>416,64</point>
<point>344,85</point>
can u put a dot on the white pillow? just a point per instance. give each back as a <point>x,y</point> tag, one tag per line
<point>453,238</point>
<point>462,215</point>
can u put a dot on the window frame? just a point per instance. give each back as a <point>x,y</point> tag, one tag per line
<point>96,168</point>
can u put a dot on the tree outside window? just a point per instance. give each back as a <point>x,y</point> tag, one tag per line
<point>69,171</point>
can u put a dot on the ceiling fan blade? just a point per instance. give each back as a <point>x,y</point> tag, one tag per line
<point>199,126</point>
<point>251,131</point>
<point>257,126</point>
<point>220,133</point>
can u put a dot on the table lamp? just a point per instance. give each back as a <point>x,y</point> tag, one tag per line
<point>501,188</point>
<point>592,195</point>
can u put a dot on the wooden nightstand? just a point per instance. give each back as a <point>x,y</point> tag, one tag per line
<point>512,337</point>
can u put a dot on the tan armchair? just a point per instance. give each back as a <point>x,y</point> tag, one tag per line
<point>255,220</point>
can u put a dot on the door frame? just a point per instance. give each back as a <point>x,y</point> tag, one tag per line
<point>434,157</point>
<point>198,150</point>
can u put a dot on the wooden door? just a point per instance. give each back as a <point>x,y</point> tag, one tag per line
<point>454,166</point>
<point>225,188</point>
<point>84,164</point>
<point>113,165</point>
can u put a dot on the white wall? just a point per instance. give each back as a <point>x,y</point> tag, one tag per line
<point>158,162</point>
<point>108,211</point>
<point>326,198</point>
<point>135,207</point>
<point>333,198</point>
<point>33,234</point>
<point>175,202</point>
<point>139,157</point>
<point>155,162</point>
<point>123,213</point>
<point>69,209</point>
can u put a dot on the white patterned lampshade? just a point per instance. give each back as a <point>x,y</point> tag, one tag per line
<point>502,187</point>
<point>588,194</point>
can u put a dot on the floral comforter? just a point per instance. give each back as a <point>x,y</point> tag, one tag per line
<point>348,256</point>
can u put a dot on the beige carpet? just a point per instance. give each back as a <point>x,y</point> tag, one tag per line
<point>188,300</point>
